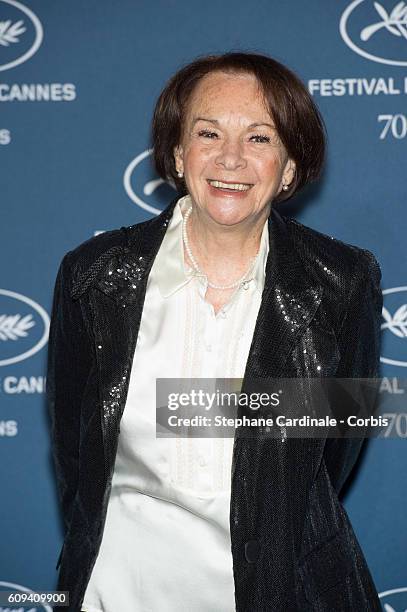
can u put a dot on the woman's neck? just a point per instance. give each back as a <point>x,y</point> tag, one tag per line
<point>224,253</point>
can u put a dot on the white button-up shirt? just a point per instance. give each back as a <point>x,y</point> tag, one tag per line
<point>166,541</point>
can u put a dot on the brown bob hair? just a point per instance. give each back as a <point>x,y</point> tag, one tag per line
<point>296,117</point>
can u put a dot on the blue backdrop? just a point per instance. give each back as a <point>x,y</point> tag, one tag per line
<point>78,82</point>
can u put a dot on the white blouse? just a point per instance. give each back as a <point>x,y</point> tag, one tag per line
<point>166,541</point>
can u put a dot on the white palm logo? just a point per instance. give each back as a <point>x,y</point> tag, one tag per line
<point>395,23</point>
<point>9,32</point>
<point>13,327</point>
<point>397,323</point>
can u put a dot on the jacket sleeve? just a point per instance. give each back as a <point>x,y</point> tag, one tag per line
<point>359,336</point>
<point>359,346</point>
<point>68,363</point>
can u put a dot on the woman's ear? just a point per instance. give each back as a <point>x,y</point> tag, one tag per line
<point>178,158</point>
<point>289,172</point>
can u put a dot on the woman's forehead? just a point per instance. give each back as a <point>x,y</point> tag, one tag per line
<point>215,83</point>
<point>218,95</point>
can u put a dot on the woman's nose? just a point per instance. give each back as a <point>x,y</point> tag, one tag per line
<point>231,155</point>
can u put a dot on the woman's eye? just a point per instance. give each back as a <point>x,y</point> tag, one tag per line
<point>260,138</point>
<point>255,138</point>
<point>207,134</point>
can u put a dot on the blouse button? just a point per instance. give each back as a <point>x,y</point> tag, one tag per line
<point>202,461</point>
<point>252,550</point>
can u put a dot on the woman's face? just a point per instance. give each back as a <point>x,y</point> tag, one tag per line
<point>233,161</point>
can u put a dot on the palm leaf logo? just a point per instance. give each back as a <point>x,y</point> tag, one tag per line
<point>9,32</point>
<point>13,327</point>
<point>397,323</point>
<point>395,22</point>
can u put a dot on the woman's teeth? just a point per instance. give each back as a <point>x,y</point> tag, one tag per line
<point>231,186</point>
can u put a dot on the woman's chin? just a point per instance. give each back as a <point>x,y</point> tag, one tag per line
<point>225,219</point>
<point>227,214</point>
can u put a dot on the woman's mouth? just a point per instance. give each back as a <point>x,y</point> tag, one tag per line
<point>229,186</point>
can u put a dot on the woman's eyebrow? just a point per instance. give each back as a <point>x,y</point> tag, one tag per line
<point>253,125</point>
<point>216,122</point>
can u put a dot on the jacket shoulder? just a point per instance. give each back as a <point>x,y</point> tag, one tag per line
<point>344,270</point>
<point>87,257</point>
<point>330,257</point>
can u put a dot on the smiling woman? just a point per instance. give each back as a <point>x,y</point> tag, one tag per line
<point>243,133</point>
<point>229,148</point>
<point>219,285</point>
<point>286,106</point>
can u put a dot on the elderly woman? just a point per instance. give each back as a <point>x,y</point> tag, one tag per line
<point>220,284</point>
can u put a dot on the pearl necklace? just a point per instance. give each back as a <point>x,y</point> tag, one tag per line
<point>240,281</point>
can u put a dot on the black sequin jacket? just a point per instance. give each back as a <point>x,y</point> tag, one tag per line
<point>293,546</point>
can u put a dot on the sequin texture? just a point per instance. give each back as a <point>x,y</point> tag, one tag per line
<point>122,278</point>
<point>112,405</point>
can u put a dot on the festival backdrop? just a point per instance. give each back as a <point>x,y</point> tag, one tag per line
<point>78,82</point>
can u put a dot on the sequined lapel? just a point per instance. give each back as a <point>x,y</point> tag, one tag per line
<point>124,272</point>
<point>290,300</point>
